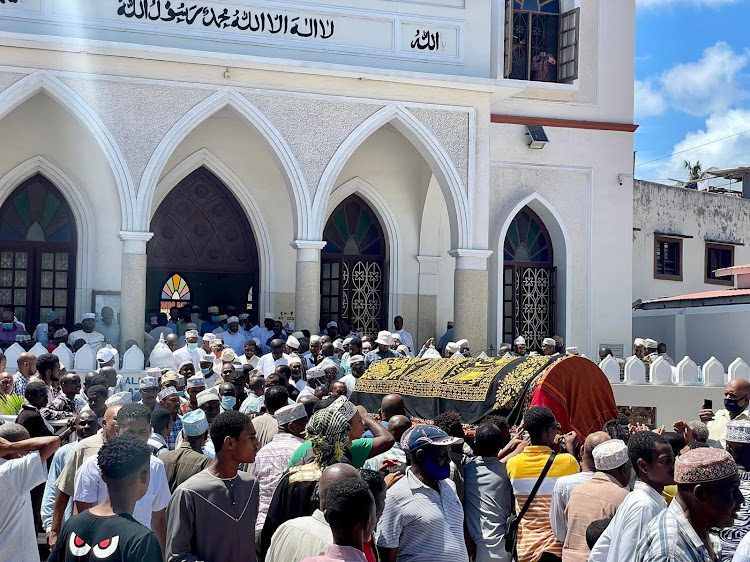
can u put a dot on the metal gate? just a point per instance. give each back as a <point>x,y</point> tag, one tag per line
<point>529,304</point>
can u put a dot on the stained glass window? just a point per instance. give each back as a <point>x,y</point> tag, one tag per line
<point>527,240</point>
<point>175,289</point>
<point>36,215</point>
<point>546,6</point>
<point>353,230</point>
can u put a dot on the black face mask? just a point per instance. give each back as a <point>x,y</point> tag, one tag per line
<point>733,406</point>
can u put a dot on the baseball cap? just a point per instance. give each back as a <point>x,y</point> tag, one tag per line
<point>423,435</point>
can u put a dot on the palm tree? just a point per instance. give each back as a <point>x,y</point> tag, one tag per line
<point>695,172</point>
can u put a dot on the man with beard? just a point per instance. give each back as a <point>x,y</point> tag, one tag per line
<point>94,339</point>
<point>234,337</point>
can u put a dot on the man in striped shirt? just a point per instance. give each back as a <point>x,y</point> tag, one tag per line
<point>536,541</point>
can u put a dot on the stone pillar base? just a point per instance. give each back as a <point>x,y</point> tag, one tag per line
<point>470,299</point>
<point>133,287</point>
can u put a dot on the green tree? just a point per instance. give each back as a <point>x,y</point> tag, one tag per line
<point>696,171</point>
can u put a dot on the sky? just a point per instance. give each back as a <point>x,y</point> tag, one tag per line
<point>692,86</point>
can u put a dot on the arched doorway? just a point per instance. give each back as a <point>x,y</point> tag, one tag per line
<point>38,253</point>
<point>203,251</point>
<point>529,281</point>
<point>354,268</point>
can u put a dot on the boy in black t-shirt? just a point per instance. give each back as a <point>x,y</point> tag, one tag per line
<point>107,532</point>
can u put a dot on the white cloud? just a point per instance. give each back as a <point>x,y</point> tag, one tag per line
<point>648,101</point>
<point>658,3</point>
<point>712,84</point>
<point>727,153</point>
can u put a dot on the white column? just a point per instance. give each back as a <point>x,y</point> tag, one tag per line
<point>133,286</point>
<point>471,296</point>
<point>307,284</point>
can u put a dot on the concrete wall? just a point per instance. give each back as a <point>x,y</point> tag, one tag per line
<point>700,215</point>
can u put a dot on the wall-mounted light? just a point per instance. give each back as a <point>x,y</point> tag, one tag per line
<point>621,177</point>
<point>537,136</point>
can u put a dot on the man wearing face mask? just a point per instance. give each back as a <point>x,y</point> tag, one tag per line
<point>191,350</point>
<point>228,395</point>
<point>11,328</point>
<point>736,402</point>
<point>212,323</point>
<point>94,339</point>
<point>423,518</point>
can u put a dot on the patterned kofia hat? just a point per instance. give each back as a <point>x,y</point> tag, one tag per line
<point>703,465</point>
<point>738,431</point>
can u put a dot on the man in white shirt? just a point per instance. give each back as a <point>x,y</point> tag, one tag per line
<point>736,403</point>
<point>108,327</point>
<point>191,350</point>
<point>150,510</point>
<point>357,369</point>
<point>403,335</point>
<point>94,339</point>
<point>251,353</point>
<point>20,472</point>
<point>653,460</point>
<point>270,361</point>
<point>566,484</point>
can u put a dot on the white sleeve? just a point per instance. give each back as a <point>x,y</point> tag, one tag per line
<point>162,495</point>
<point>742,553</point>
<point>87,482</point>
<point>26,473</point>
<point>557,513</point>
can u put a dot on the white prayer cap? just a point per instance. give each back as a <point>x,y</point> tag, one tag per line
<point>738,431</point>
<point>168,391</point>
<point>148,382</point>
<point>431,353</point>
<point>298,335</point>
<point>384,338</point>
<point>292,342</point>
<point>207,396</point>
<point>314,339</point>
<point>105,355</point>
<point>294,360</point>
<point>347,341</point>
<point>213,310</point>
<point>338,344</point>
<point>610,454</point>
<point>343,405</point>
<point>196,381</point>
<point>270,316</point>
<point>403,349</point>
<point>192,334</point>
<point>548,341</point>
<point>639,341</point>
<point>216,341</point>
<point>228,355</point>
<point>154,372</point>
<point>244,316</point>
<point>462,344</point>
<point>233,319</point>
<point>207,359</point>
<point>119,399</point>
<point>396,337</point>
<point>571,350</point>
<point>458,356</point>
<point>651,344</point>
<point>89,316</point>
<point>315,373</point>
<point>195,423</point>
<point>208,337</point>
<point>183,363</point>
<point>520,340</point>
<point>191,326</point>
<point>290,413</point>
<point>356,359</point>
<point>327,363</point>
<point>451,348</point>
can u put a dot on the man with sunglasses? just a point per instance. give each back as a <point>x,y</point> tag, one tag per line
<point>736,402</point>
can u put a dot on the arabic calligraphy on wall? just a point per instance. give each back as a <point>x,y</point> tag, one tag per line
<point>307,31</point>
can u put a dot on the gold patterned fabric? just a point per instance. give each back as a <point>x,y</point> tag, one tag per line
<point>473,387</point>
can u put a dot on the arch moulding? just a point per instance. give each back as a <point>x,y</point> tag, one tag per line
<point>241,192</point>
<point>81,212</point>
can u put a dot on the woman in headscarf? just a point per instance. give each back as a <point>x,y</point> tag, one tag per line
<point>296,495</point>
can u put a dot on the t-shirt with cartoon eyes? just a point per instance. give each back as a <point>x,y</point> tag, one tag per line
<point>117,538</point>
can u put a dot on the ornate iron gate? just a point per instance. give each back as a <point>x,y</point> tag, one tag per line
<point>529,282</point>
<point>353,268</point>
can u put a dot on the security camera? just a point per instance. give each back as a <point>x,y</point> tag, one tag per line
<point>621,177</point>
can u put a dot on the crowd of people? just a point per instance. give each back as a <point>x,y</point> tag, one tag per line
<point>252,447</point>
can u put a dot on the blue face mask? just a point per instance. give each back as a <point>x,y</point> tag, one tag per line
<point>214,319</point>
<point>7,326</point>
<point>192,346</point>
<point>180,393</point>
<point>228,402</point>
<point>205,371</point>
<point>435,470</point>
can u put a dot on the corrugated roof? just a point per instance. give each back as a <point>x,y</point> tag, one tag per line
<point>706,295</point>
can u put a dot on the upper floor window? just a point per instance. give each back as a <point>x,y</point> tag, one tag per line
<point>718,256</point>
<point>667,258</point>
<point>541,44</point>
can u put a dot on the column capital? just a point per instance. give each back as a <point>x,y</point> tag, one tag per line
<point>308,250</point>
<point>468,258</point>
<point>135,242</point>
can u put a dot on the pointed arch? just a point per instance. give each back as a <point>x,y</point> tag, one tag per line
<point>561,243</point>
<point>82,214</point>
<point>205,157</point>
<point>431,150</point>
<point>43,81</point>
<point>282,154</point>
<point>371,196</point>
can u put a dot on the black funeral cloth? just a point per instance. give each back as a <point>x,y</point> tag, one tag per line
<point>471,387</point>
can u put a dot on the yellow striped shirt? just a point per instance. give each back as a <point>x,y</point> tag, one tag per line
<point>535,535</point>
